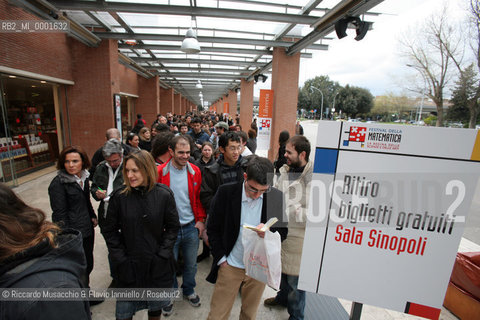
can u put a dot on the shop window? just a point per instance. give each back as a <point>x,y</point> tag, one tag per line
<point>28,137</point>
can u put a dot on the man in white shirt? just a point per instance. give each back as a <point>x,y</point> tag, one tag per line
<point>252,201</point>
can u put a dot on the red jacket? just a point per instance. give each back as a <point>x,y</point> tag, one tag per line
<point>194,183</point>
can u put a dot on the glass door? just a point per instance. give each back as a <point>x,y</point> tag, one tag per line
<point>7,151</point>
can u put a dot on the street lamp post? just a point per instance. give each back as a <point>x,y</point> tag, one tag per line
<point>333,107</point>
<point>321,108</point>
<point>423,97</point>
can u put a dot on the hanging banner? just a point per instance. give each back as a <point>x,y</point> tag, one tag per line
<point>225,108</point>
<point>117,111</point>
<point>387,213</point>
<point>264,120</point>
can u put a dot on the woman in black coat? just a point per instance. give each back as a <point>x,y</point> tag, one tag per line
<point>69,194</point>
<point>140,230</point>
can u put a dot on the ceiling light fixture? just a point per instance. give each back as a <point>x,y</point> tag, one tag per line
<point>199,85</point>
<point>190,43</point>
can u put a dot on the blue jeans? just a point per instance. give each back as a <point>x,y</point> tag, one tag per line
<point>290,296</point>
<point>187,239</point>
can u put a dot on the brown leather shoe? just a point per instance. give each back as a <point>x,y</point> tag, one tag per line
<point>271,302</point>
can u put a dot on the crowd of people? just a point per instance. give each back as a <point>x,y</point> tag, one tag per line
<point>184,181</point>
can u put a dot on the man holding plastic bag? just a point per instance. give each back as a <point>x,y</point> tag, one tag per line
<point>236,206</point>
<point>294,182</point>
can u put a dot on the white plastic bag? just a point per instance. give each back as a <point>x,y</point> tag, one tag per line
<point>262,257</point>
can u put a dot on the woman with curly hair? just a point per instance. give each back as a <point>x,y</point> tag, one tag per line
<point>69,195</point>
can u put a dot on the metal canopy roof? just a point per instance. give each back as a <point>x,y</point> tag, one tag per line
<point>236,36</point>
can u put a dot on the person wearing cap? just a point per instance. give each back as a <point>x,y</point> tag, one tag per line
<point>220,128</point>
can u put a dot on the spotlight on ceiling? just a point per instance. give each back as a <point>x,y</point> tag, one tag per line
<point>190,43</point>
<point>260,77</point>
<point>199,85</point>
<point>361,27</point>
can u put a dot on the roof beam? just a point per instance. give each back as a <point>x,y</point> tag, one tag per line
<point>95,16</point>
<point>189,75</point>
<point>179,38</point>
<point>183,10</point>
<point>204,49</point>
<point>199,61</point>
<point>196,70</point>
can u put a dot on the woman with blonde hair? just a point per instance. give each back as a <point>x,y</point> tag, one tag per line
<point>140,230</point>
<point>145,139</point>
<point>35,253</point>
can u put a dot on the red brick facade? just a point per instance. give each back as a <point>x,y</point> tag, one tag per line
<point>87,106</point>
<point>44,53</point>
<point>148,102</point>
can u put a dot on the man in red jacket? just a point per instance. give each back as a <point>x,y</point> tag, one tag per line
<point>185,179</point>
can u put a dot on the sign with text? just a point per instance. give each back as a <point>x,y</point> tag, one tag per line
<point>118,111</point>
<point>387,212</point>
<point>264,121</point>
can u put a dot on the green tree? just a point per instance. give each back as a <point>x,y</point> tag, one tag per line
<point>310,98</point>
<point>354,101</point>
<point>464,94</point>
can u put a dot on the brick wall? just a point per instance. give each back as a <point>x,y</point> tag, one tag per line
<point>43,53</point>
<point>166,101</point>
<point>148,103</point>
<point>127,79</point>
<point>91,98</point>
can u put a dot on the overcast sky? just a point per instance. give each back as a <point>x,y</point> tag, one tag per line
<point>374,63</point>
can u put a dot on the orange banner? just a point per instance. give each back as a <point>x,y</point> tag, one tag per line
<point>225,107</point>
<point>265,109</point>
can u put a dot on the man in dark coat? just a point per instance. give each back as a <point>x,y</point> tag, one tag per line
<point>98,155</point>
<point>229,168</point>
<point>108,176</point>
<point>252,202</point>
<point>197,134</point>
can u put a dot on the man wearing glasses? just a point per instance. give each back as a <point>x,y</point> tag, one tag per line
<point>252,202</point>
<point>294,182</point>
<point>108,176</point>
<point>228,168</point>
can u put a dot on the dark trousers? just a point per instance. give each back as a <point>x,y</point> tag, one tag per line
<point>88,249</point>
